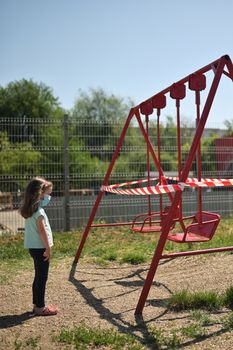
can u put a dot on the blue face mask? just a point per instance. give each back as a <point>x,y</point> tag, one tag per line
<point>45,201</point>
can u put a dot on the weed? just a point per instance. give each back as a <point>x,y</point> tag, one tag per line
<point>100,261</point>
<point>133,258</point>
<point>228,321</point>
<point>173,341</point>
<point>200,300</point>
<point>193,331</point>
<point>228,298</point>
<point>82,337</point>
<point>12,248</point>
<point>18,344</point>
<point>156,338</point>
<point>202,317</point>
<point>159,340</point>
<point>110,255</point>
<point>4,279</point>
<point>32,342</point>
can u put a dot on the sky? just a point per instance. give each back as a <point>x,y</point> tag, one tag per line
<point>129,48</point>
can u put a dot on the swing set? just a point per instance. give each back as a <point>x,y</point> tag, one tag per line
<point>203,224</point>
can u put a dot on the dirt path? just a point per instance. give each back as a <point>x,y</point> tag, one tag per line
<point>106,297</point>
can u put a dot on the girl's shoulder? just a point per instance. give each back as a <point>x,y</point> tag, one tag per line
<point>40,212</point>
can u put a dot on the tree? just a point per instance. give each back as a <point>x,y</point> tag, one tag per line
<point>32,119</point>
<point>229,126</point>
<point>21,101</point>
<point>99,116</point>
<point>16,159</point>
<point>86,171</point>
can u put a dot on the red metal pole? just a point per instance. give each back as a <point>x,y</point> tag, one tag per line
<point>148,166</point>
<point>197,98</point>
<point>184,80</point>
<point>229,66</point>
<point>178,136</point>
<point>177,197</point>
<point>105,181</point>
<point>179,161</point>
<point>161,174</point>
<point>203,119</point>
<point>159,159</point>
<point>196,252</point>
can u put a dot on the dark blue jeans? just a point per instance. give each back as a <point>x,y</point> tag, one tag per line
<point>41,276</point>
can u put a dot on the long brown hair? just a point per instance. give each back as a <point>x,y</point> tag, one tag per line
<point>32,195</point>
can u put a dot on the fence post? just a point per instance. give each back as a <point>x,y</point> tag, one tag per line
<point>66,175</point>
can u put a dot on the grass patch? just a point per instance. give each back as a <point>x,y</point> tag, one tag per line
<point>202,317</point>
<point>194,331</point>
<point>13,257</point>
<point>82,337</point>
<point>85,337</point>
<point>4,279</point>
<point>30,343</point>
<point>110,255</point>
<point>185,300</point>
<point>133,258</point>
<point>158,339</point>
<point>104,245</point>
<point>228,321</point>
<point>228,298</point>
<point>12,248</point>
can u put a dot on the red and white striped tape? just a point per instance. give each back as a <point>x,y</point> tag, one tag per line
<point>205,182</point>
<point>139,191</point>
<point>162,189</point>
<point>132,182</point>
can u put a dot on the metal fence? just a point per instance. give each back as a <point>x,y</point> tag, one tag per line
<point>75,154</point>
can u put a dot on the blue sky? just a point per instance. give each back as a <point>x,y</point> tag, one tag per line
<point>131,48</point>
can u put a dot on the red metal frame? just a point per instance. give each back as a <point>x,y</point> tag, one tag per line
<point>146,108</point>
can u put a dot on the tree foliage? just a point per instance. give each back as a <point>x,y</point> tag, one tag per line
<point>23,100</point>
<point>229,126</point>
<point>98,106</point>
<point>17,158</point>
<point>99,116</point>
<point>26,107</point>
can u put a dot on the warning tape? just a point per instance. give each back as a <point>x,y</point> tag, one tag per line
<point>132,182</point>
<point>205,182</point>
<point>162,189</point>
<point>149,190</point>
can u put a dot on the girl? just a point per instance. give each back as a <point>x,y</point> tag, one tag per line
<point>38,239</point>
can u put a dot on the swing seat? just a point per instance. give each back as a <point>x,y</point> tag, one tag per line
<point>149,228</point>
<point>201,229</point>
<point>149,223</point>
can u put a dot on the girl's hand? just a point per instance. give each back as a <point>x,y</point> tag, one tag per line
<point>47,254</point>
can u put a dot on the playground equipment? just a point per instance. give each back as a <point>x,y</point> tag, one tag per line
<point>203,223</point>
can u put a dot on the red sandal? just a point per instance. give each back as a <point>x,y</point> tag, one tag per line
<point>48,310</point>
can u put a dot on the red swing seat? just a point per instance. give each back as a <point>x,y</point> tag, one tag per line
<point>201,229</point>
<point>150,224</point>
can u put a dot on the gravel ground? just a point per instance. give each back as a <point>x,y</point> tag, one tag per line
<point>106,297</point>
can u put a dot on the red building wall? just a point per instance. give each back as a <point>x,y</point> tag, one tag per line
<point>224,156</point>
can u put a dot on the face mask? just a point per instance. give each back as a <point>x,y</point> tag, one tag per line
<point>45,201</point>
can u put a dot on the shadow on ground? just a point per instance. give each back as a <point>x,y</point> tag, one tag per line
<point>141,329</point>
<point>8,321</point>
